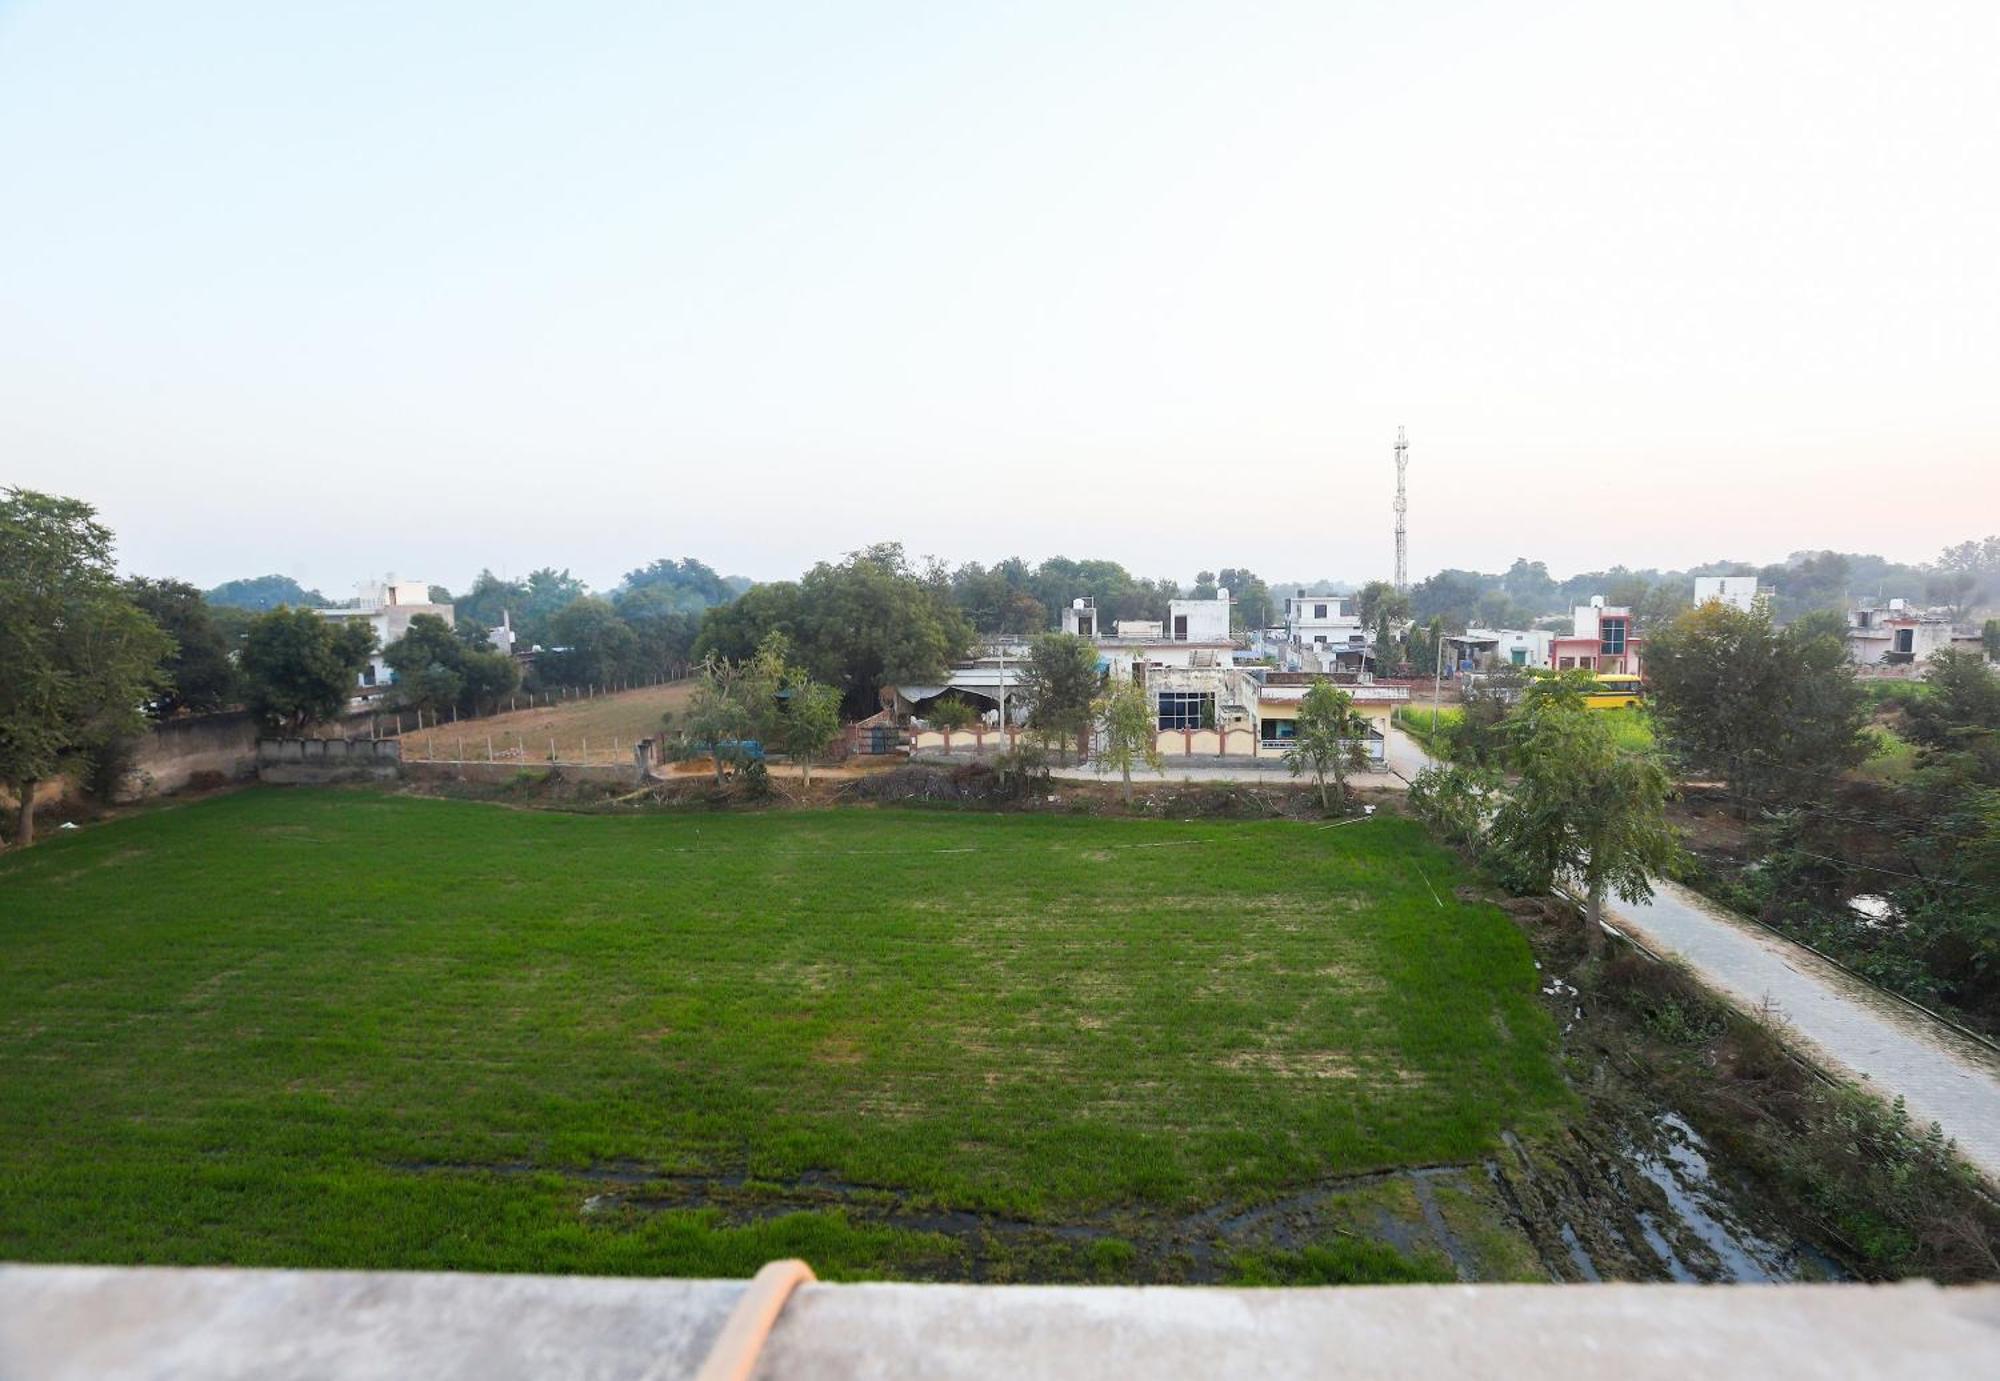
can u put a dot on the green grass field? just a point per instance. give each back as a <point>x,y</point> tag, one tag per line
<point>350,1028</point>
<point>1631,730</point>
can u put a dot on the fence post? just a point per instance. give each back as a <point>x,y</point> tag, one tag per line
<point>552,750</point>
<point>585,749</point>
<point>489,748</point>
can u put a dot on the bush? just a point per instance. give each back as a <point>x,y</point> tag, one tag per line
<point>1023,769</point>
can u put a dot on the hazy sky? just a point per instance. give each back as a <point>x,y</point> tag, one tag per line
<point>341,289</point>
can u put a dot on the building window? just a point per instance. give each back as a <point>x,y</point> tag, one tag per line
<point>1611,636</point>
<point>1278,730</point>
<point>368,675</point>
<point>1519,656</point>
<point>1186,709</point>
<point>1319,611</point>
<point>1565,663</point>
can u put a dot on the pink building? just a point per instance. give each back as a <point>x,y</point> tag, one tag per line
<point>1604,639</point>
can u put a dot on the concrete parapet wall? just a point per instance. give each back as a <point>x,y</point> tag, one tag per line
<point>502,772</point>
<point>121,1324</point>
<point>310,761</point>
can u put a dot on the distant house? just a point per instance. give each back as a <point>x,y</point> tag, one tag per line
<point>1736,591</point>
<point>1482,648</point>
<point>1322,621</point>
<point>387,606</point>
<point>1898,634</point>
<point>1603,638</point>
<point>1281,694</point>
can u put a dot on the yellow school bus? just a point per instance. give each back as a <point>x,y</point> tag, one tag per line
<point>1616,691</point>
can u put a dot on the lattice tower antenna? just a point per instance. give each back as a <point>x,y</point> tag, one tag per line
<point>1402,511</point>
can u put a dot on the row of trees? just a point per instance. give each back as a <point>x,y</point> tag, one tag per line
<point>1525,594</point>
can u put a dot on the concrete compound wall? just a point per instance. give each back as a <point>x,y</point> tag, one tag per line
<point>169,756</point>
<point>502,772</point>
<point>310,761</point>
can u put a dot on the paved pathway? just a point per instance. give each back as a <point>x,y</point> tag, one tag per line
<point>1942,1076</point>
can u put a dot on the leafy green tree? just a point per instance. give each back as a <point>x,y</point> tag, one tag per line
<point>78,658</point>
<point>1378,600</point>
<point>866,622</point>
<point>589,644</point>
<point>1128,731</point>
<point>1989,639</point>
<point>686,586</point>
<point>721,711</point>
<point>1059,685</point>
<point>1579,807</point>
<point>300,669</point>
<point>811,722</point>
<point>197,675</point>
<point>437,670</point>
<point>1251,598</point>
<point>1331,741</point>
<point>1455,801</point>
<point>263,593</point>
<point>1962,706</point>
<point>1773,711</point>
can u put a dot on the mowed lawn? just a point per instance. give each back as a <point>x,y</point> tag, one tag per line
<point>350,1028</point>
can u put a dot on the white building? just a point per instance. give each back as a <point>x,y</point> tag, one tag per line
<point>1900,635</point>
<point>1081,617</point>
<point>1324,620</point>
<point>1736,591</point>
<point>1199,620</point>
<point>1480,647</point>
<point>387,606</point>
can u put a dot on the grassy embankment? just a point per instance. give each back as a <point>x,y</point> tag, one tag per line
<point>347,1028</point>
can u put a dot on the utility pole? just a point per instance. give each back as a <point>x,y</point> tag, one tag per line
<point>1402,511</point>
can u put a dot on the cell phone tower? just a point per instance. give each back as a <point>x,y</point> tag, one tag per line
<point>1402,511</point>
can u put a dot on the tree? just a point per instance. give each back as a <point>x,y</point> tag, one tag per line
<point>1989,639</point>
<point>1332,740</point>
<point>866,622</point>
<point>300,669</point>
<point>1251,598</point>
<point>1059,685</point>
<point>1129,731</point>
<point>1774,712</point>
<point>718,713</point>
<point>197,675</point>
<point>590,644</point>
<point>1379,601</point>
<point>437,670</point>
<point>811,722</point>
<point>1580,808</point>
<point>264,593</point>
<point>78,658</point>
<point>1962,706</point>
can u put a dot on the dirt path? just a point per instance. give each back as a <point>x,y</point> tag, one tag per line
<point>1941,1075</point>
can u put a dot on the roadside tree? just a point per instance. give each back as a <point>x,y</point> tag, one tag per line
<point>1580,808</point>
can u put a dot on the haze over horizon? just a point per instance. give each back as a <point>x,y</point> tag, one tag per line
<point>516,284</point>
